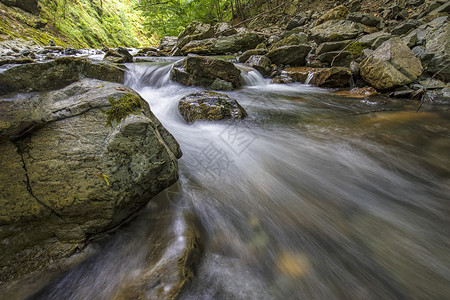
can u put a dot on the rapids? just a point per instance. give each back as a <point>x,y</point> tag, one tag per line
<point>313,196</point>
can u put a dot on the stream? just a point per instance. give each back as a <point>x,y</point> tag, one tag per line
<point>313,196</point>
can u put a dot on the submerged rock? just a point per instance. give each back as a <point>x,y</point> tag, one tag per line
<point>391,65</point>
<point>67,175</point>
<point>204,71</point>
<point>210,106</point>
<point>178,252</point>
<point>334,77</point>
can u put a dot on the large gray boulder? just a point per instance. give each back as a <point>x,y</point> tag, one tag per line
<point>207,72</point>
<point>289,55</point>
<point>392,64</point>
<point>76,162</point>
<point>195,31</point>
<point>336,30</point>
<point>224,45</point>
<point>56,74</point>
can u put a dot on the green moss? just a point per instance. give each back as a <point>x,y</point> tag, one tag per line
<point>123,107</point>
<point>356,48</point>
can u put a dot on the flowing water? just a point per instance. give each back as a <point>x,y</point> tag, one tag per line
<point>313,196</point>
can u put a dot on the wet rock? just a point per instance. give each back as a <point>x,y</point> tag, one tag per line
<point>120,55</point>
<point>334,77</point>
<point>365,19</point>
<point>223,29</point>
<point>195,31</point>
<point>338,13</point>
<point>56,74</point>
<point>364,91</point>
<point>71,51</point>
<point>261,63</point>
<point>222,277</point>
<point>209,106</point>
<point>325,77</point>
<point>283,78</point>
<point>203,71</point>
<point>67,175</point>
<point>293,264</point>
<point>298,74</point>
<point>178,253</point>
<point>404,93</point>
<point>289,55</point>
<point>54,48</point>
<point>391,65</point>
<point>224,45</point>
<point>336,30</point>
<point>167,43</point>
<point>246,55</point>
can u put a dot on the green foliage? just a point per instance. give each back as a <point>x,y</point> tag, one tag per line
<point>170,17</point>
<point>121,108</point>
<point>79,24</point>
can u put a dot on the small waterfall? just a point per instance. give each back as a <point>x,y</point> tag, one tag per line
<point>310,76</point>
<point>250,76</point>
<point>148,74</point>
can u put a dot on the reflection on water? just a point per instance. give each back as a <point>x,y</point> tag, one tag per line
<point>314,195</point>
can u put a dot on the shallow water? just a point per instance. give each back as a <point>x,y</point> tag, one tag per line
<point>313,196</point>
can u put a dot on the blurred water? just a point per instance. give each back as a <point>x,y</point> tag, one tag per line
<point>313,196</point>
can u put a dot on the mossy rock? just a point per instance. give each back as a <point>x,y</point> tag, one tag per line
<point>210,106</point>
<point>204,71</point>
<point>128,104</point>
